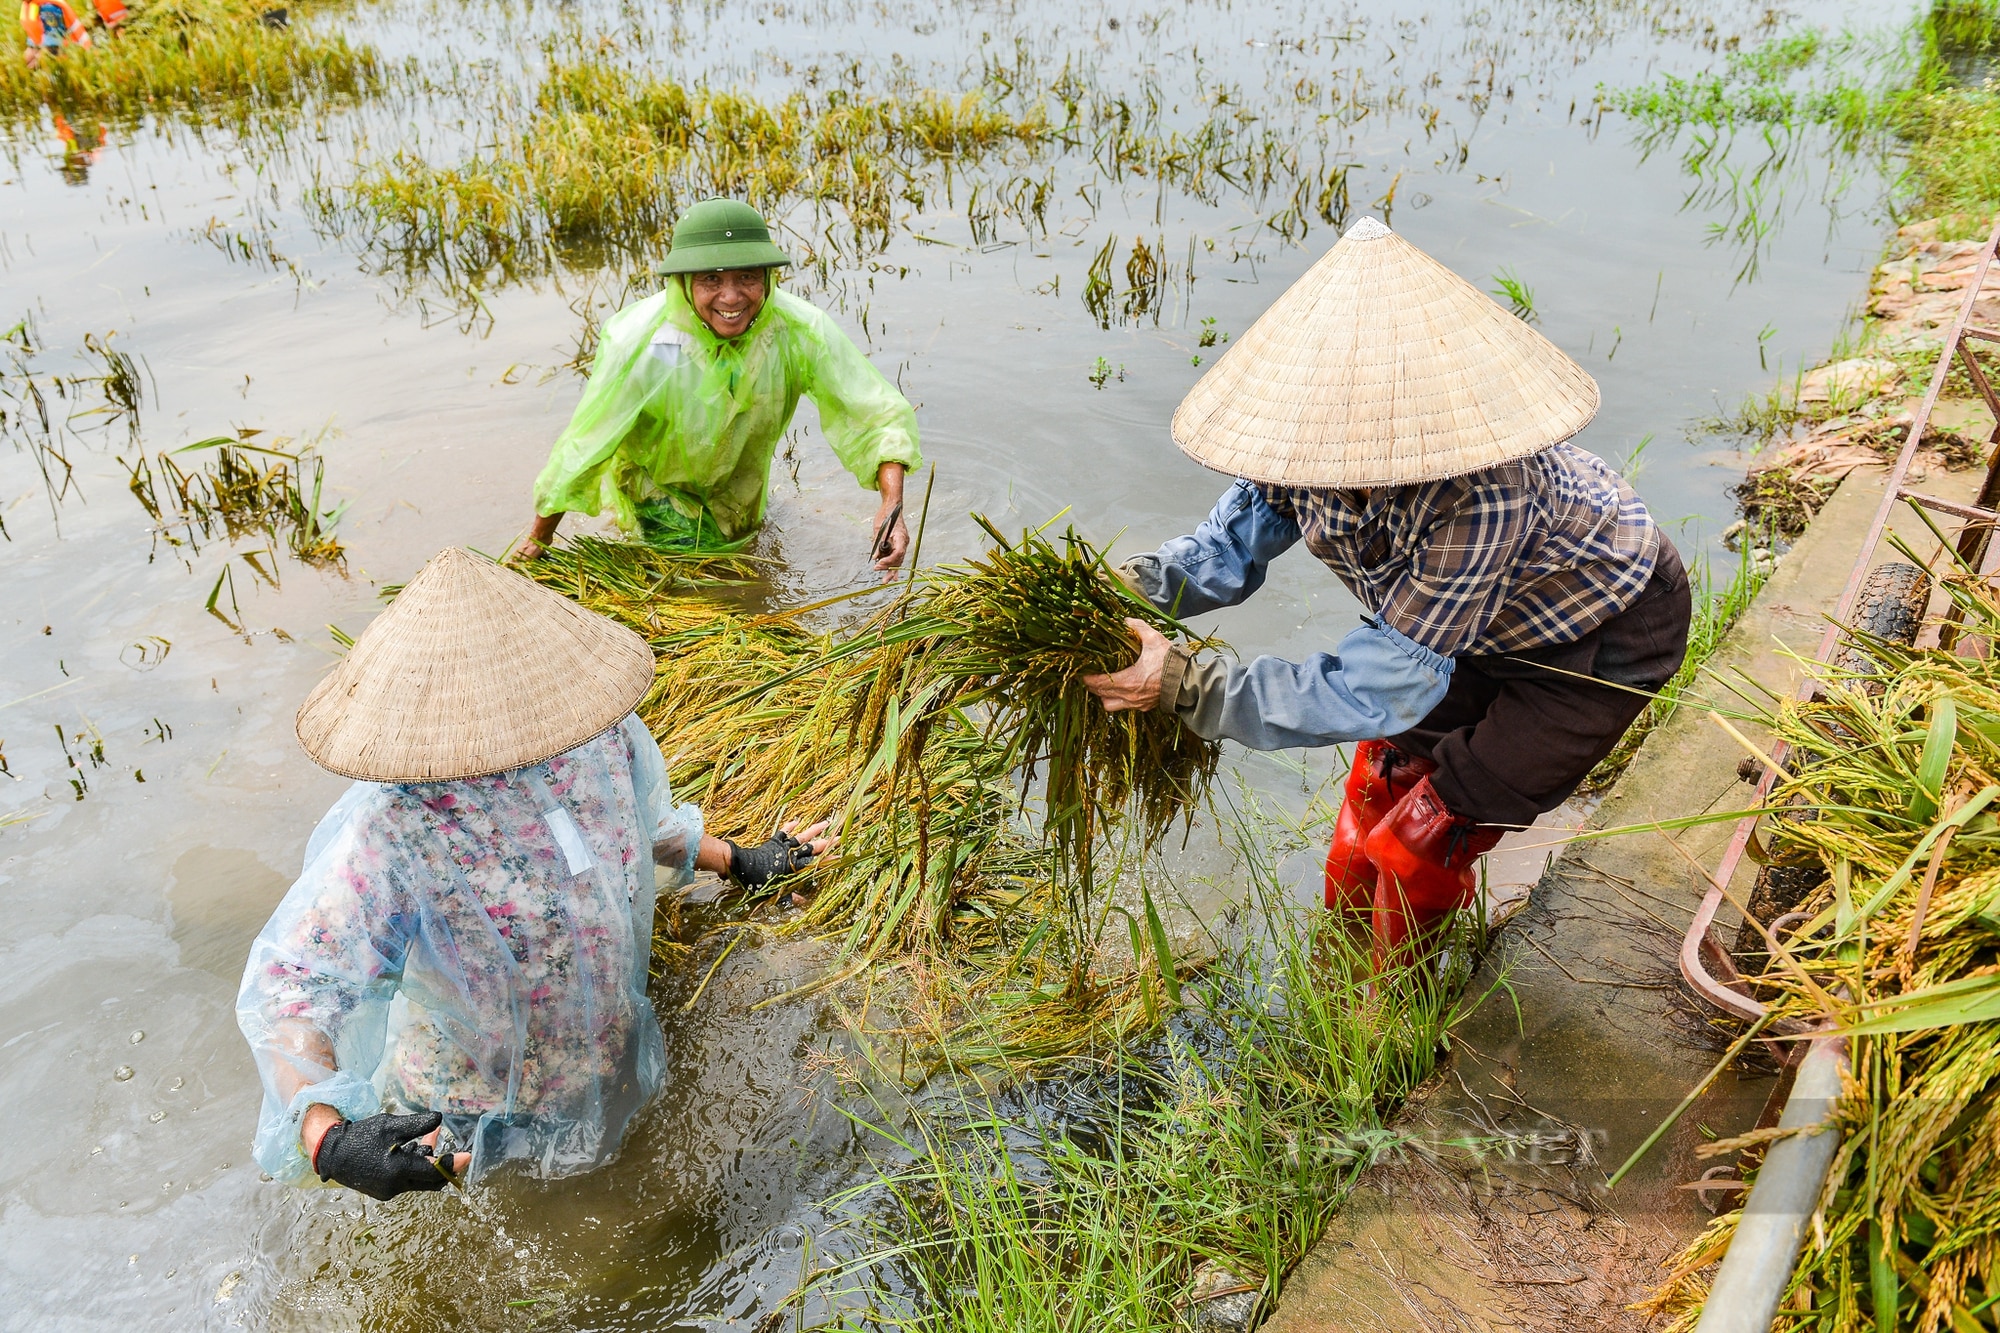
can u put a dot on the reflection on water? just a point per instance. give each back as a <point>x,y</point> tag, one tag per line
<point>152,744</point>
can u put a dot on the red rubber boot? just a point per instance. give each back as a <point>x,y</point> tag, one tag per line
<point>1379,778</point>
<point>1426,859</point>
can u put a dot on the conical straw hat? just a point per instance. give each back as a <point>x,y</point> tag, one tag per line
<point>1381,367</point>
<point>472,670</point>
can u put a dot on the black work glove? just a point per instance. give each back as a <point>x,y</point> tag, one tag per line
<point>754,867</point>
<point>380,1156</point>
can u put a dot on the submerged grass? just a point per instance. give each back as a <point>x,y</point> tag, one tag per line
<point>206,61</point>
<point>241,489</point>
<point>1926,92</point>
<point>904,733</point>
<point>41,411</point>
<point>1895,765</point>
<point>608,157</point>
<point>1205,1169</point>
<point>598,163</point>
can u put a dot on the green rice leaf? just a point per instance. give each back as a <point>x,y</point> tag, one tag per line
<point>1163,952</point>
<point>1950,1004</point>
<point>1929,795</point>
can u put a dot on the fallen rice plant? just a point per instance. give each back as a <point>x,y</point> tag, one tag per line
<point>912,733</point>
<point>30,414</point>
<point>1011,636</point>
<point>1895,769</point>
<point>596,166</point>
<point>607,158</point>
<point>205,61</point>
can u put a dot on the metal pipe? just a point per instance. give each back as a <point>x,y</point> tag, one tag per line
<point>1758,1266</point>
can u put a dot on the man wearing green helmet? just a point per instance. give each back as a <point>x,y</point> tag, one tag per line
<point>692,388</point>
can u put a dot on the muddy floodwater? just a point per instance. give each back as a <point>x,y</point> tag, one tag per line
<point>155,803</point>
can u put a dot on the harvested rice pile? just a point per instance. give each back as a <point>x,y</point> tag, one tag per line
<point>1896,768</point>
<point>914,733</point>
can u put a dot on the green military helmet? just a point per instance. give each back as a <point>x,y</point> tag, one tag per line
<point>719,234</point>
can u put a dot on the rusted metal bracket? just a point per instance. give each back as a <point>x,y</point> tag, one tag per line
<point>1970,513</point>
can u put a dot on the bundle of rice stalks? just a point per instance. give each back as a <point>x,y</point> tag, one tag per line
<point>938,878</point>
<point>1894,777</point>
<point>1014,635</point>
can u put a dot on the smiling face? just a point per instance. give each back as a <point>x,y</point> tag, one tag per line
<point>727,302</point>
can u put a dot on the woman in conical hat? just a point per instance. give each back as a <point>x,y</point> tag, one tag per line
<point>1519,599</point>
<point>692,388</point>
<point>467,946</point>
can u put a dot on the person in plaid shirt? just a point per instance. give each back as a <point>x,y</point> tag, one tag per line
<point>1516,617</point>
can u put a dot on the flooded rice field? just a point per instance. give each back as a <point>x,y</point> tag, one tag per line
<point>1039,219</point>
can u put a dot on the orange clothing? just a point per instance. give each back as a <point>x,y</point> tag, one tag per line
<point>110,12</point>
<point>50,25</point>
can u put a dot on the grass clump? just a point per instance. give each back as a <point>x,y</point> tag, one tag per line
<point>1209,1166</point>
<point>1925,93</point>
<point>609,157</point>
<point>596,166</point>
<point>1954,139</point>
<point>40,411</point>
<point>1895,768</point>
<point>206,61</point>
<point>1776,502</point>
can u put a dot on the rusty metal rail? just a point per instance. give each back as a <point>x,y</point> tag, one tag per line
<point>1704,960</point>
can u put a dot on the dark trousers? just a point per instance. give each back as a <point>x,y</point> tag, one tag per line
<point>1517,732</point>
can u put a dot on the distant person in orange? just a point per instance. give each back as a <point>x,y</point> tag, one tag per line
<point>51,25</point>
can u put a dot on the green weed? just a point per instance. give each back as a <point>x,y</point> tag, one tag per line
<point>242,489</point>
<point>1925,93</point>
<point>1520,298</point>
<point>40,410</point>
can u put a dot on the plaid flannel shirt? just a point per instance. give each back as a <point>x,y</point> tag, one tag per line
<point>1534,552</point>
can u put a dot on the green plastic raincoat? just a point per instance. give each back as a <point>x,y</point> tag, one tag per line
<point>677,422</point>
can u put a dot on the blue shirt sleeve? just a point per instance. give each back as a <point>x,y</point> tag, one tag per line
<point>1221,563</point>
<point>1378,684</point>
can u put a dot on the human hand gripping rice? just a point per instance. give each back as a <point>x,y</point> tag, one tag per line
<point>915,729</point>
<point>1020,633</point>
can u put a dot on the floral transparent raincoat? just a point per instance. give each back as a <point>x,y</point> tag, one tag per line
<point>676,421</point>
<point>477,948</point>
